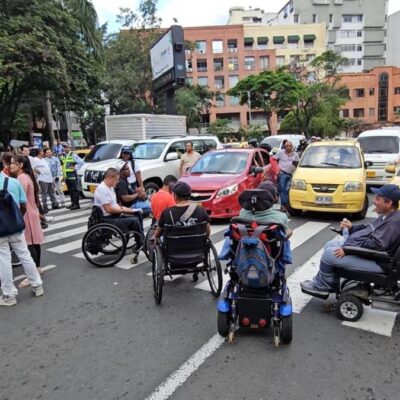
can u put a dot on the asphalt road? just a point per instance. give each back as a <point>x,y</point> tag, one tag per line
<point>97,334</point>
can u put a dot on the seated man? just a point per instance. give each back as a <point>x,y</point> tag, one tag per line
<point>383,234</point>
<point>270,215</point>
<point>163,198</point>
<point>106,199</point>
<point>129,197</point>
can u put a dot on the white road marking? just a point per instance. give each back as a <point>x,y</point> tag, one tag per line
<point>179,377</point>
<point>65,224</point>
<point>65,248</point>
<point>45,268</point>
<point>71,214</point>
<point>65,234</point>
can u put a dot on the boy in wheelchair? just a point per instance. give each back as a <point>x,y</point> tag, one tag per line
<point>365,254</point>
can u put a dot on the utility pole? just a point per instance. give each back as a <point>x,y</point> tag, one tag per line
<point>249,102</point>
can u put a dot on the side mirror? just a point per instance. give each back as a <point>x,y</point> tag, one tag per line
<point>171,157</point>
<point>256,170</point>
<point>390,169</point>
<point>368,164</point>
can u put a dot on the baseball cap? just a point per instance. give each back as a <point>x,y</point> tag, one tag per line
<point>269,187</point>
<point>126,149</point>
<point>390,191</point>
<point>182,189</point>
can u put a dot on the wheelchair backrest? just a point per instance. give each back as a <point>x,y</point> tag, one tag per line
<point>96,217</point>
<point>256,200</point>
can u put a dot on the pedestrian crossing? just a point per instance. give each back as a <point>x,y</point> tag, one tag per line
<point>64,237</point>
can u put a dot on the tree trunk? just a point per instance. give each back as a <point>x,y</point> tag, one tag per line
<point>48,114</point>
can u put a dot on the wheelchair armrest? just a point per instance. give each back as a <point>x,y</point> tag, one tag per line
<point>367,253</point>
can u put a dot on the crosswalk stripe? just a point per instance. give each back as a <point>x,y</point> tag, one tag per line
<point>65,248</point>
<point>72,214</point>
<point>45,268</point>
<point>65,234</point>
<point>64,225</point>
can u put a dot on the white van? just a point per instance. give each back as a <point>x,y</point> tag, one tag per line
<point>381,147</point>
<point>276,141</point>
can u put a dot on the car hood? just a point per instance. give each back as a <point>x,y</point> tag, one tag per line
<point>330,175</point>
<point>210,181</point>
<point>103,165</point>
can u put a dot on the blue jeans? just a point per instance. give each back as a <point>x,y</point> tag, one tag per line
<point>325,278</point>
<point>284,181</point>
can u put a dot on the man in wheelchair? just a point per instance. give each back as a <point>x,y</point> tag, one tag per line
<point>105,198</point>
<point>382,235</point>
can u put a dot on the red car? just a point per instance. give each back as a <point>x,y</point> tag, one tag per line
<point>219,176</point>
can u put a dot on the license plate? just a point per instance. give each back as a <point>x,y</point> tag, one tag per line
<point>92,189</point>
<point>323,200</point>
<point>371,174</point>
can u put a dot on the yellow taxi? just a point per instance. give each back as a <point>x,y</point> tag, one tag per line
<point>391,169</point>
<point>330,177</point>
<point>82,153</point>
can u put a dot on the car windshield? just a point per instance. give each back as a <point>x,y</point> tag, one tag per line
<point>148,151</point>
<point>331,157</point>
<point>104,151</point>
<point>379,144</point>
<point>274,142</point>
<point>221,163</point>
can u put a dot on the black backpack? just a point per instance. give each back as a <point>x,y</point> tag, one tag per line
<point>11,219</point>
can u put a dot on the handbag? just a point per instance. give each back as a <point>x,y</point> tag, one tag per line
<point>11,219</point>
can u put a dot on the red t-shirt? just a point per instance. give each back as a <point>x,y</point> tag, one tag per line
<point>160,201</point>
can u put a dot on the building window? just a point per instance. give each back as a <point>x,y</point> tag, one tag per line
<point>233,80</point>
<point>220,100</point>
<point>397,90</point>
<point>371,112</point>
<point>359,33</point>
<point>217,46</point>
<point>201,46</point>
<point>359,47</point>
<point>331,18</point>
<point>371,91</point>
<point>202,81</point>
<point>201,65</point>
<point>345,113</point>
<point>280,61</point>
<point>234,100</point>
<point>383,96</point>
<point>396,109</point>
<point>358,113</point>
<point>189,81</point>
<point>233,63</point>
<point>359,92</point>
<point>189,66</point>
<point>219,82</point>
<point>218,64</point>
<point>310,57</point>
<point>249,63</point>
<point>232,46</point>
<point>352,18</point>
<point>349,33</point>
<point>314,18</point>
<point>349,47</point>
<point>296,18</point>
<point>264,62</point>
<point>262,42</point>
<point>248,43</point>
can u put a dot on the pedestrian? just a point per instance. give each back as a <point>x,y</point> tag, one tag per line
<point>8,159</point>
<point>25,151</point>
<point>33,231</point>
<point>45,180</point>
<point>302,146</point>
<point>56,173</point>
<point>287,161</point>
<point>164,198</point>
<point>188,159</point>
<point>59,149</point>
<point>71,164</point>
<point>135,177</point>
<point>12,235</point>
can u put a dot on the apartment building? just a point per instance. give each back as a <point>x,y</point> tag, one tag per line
<point>393,43</point>
<point>222,56</point>
<point>375,95</point>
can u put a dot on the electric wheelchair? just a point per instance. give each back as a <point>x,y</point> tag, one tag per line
<point>106,241</point>
<point>182,250</point>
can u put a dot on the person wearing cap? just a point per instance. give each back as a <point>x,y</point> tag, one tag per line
<point>135,177</point>
<point>383,234</point>
<point>173,215</point>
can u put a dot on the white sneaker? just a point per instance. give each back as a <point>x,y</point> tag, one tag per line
<point>38,291</point>
<point>8,301</point>
<point>48,219</point>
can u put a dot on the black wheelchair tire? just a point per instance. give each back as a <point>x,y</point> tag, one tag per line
<point>349,308</point>
<point>118,257</point>
<point>287,329</point>
<point>147,244</point>
<point>223,324</point>
<point>215,289</point>
<point>157,274</point>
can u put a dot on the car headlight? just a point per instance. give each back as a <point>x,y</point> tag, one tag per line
<point>353,187</point>
<point>298,184</point>
<point>227,191</point>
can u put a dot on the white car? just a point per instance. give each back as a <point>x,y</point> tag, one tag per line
<point>156,158</point>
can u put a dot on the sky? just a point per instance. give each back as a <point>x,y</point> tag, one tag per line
<point>194,12</point>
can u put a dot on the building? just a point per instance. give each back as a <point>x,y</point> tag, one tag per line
<point>393,43</point>
<point>355,29</point>
<point>375,96</point>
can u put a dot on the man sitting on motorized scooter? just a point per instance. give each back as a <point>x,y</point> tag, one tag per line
<point>383,234</point>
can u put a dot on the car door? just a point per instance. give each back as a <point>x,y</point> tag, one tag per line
<point>172,167</point>
<point>252,181</point>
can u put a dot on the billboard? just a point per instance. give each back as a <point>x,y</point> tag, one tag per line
<point>162,56</point>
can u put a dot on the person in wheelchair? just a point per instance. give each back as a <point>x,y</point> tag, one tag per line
<point>105,198</point>
<point>383,234</point>
<point>164,198</point>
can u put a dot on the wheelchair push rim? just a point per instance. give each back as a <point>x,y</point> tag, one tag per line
<point>104,245</point>
<point>157,274</point>
<point>214,271</point>
<point>148,246</point>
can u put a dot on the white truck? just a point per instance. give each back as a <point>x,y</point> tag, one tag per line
<point>144,126</point>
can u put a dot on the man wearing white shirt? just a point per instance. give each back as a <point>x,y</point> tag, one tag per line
<point>45,180</point>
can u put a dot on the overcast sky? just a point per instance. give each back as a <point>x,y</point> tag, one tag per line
<point>194,12</point>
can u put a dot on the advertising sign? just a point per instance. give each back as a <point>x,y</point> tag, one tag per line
<point>162,56</point>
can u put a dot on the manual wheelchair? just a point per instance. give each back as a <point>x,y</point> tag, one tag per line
<point>106,241</point>
<point>182,250</point>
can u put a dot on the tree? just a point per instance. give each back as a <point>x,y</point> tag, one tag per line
<point>329,64</point>
<point>270,91</point>
<point>220,127</point>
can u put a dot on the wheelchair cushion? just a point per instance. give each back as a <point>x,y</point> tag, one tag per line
<point>256,199</point>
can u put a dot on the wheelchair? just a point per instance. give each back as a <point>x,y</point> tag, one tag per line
<point>356,288</point>
<point>182,250</point>
<point>244,305</point>
<point>106,241</point>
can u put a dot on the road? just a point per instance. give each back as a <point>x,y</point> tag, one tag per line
<point>96,334</point>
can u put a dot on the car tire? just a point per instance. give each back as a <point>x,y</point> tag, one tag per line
<point>292,211</point>
<point>150,188</point>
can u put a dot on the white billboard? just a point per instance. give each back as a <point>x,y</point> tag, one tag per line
<point>162,56</point>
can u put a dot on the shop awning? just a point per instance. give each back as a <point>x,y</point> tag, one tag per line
<point>278,39</point>
<point>248,40</point>
<point>309,38</point>
<point>262,40</point>
<point>293,38</point>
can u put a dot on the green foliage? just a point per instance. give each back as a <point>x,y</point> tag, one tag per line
<point>252,131</point>
<point>329,63</point>
<point>221,127</point>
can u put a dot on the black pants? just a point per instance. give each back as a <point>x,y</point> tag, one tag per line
<point>72,185</point>
<point>36,252</point>
<point>132,223</point>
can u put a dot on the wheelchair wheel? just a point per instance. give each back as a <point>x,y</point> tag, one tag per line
<point>104,245</point>
<point>214,271</point>
<point>148,246</point>
<point>349,308</point>
<point>287,329</point>
<point>223,323</point>
<point>158,274</point>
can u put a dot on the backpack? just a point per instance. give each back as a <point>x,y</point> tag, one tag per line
<point>11,219</point>
<point>255,267</point>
